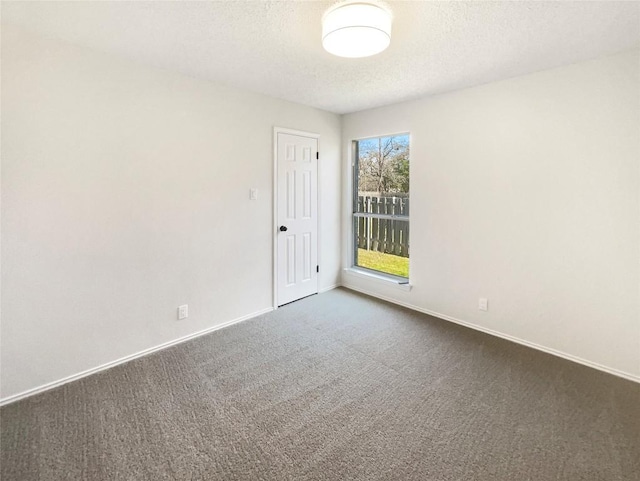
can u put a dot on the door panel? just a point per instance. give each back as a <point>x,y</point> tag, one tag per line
<point>297,212</point>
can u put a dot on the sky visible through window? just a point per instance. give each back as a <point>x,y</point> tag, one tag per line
<point>383,165</point>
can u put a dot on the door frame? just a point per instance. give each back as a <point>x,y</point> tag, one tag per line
<point>274,224</point>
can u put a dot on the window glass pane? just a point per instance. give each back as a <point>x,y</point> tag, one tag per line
<point>382,186</point>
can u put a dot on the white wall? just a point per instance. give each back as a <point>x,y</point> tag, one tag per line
<point>125,193</point>
<point>526,191</point>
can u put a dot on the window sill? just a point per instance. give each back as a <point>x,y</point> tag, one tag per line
<point>387,279</point>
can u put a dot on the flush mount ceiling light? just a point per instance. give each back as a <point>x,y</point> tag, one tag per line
<point>356,29</point>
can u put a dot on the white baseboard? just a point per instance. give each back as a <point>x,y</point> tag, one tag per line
<point>88,372</point>
<point>325,289</point>
<point>122,360</point>
<point>548,350</point>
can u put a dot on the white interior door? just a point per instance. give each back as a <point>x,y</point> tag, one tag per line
<point>297,217</point>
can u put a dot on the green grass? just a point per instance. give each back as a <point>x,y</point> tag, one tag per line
<point>388,263</point>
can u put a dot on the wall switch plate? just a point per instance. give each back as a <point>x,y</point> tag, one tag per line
<point>253,194</point>
<point>483,304</point>
<point>183,312</point>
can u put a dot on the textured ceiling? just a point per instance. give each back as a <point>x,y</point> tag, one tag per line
<point>274,47</point>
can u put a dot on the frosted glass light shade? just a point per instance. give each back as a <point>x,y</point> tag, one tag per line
<point>356,30</point>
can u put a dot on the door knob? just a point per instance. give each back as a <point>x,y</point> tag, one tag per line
<point>283,228</point>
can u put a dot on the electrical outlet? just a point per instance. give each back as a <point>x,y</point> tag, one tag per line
<point>253,194</point>
<point>483,304</point>
<point>183,312</point>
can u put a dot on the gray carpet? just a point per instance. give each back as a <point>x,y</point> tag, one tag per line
<point>337,386</point>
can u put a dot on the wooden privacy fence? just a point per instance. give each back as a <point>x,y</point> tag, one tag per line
<point>376,232</point>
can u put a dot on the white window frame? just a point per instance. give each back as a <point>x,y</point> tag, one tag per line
<point>359,271</point>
